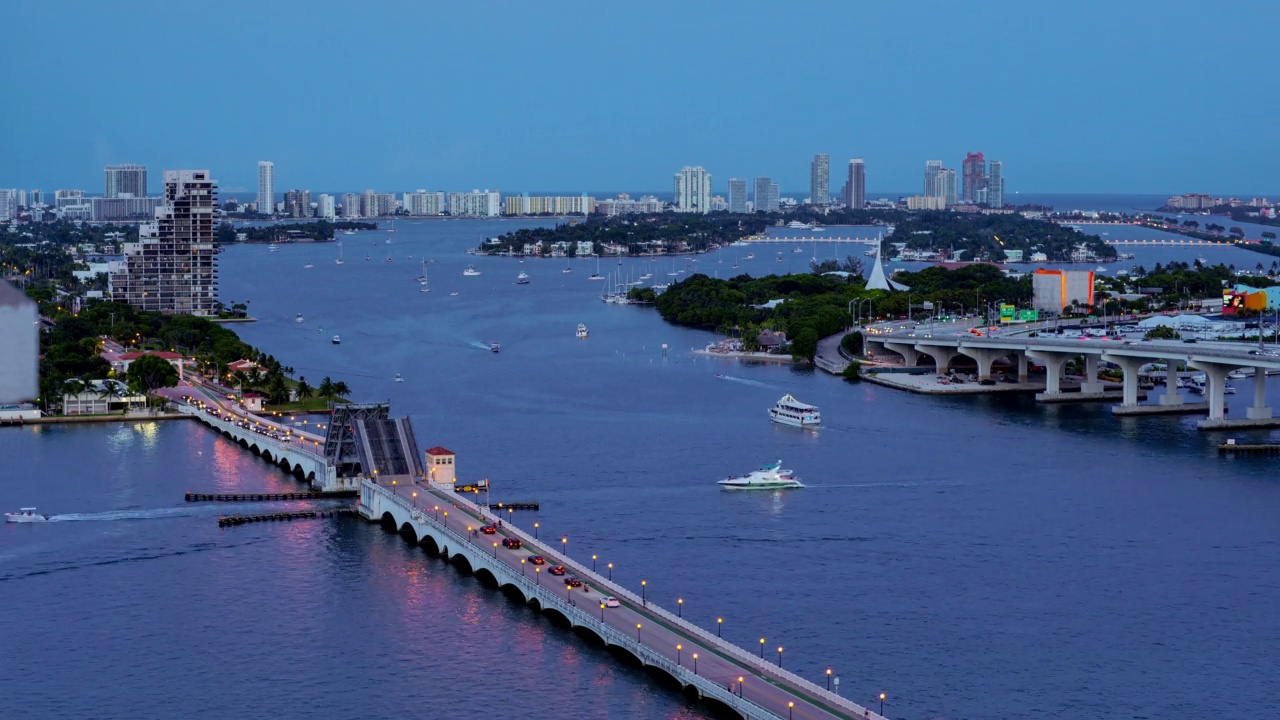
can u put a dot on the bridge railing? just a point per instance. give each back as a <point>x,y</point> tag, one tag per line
<point>580,616</point>
<point>739,655</point>
<point>233,428</point>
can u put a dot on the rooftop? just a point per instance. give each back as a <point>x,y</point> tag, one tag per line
<point>437,450</point>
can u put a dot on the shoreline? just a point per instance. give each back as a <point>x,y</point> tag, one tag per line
<point>759,356</point>
<point>74,419</point>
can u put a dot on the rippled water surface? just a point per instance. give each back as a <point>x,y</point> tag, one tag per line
<point>971,557</point>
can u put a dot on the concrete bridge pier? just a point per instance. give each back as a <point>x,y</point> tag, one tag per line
<point>1054,364</point>
<point>1020,359</point>
<point>941,355</point>
<point>1170,397</point>
<point>1130,366</point>
<point>1216,374</point>
<point>1091,383</point>
<point>1259,411</point>
<point>910,356</point>
<point>984,357</point>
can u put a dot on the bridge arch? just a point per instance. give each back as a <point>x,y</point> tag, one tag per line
<point>266,455</point>
<point>283,462</point>
<point>388,522</point>
<point>408,533</point>
<point>513,591</point>
<point>625,654</point>
<point>664,678</point>
<point>486,578</point>
<point>556,617</point>
<point>243,443</point>
<point>299,472</point>
<point>589,633</point>
<point>461,564</point>
<point>430,545</point>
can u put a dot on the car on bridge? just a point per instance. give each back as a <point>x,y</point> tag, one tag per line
<point>512,543</point>
<point>489,529</point>
<point>557,570</point>
<point>573,581</point>
<point>538,560</point>
<point>611,602</point>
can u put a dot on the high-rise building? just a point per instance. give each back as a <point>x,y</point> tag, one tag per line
<point>475,204</point>
<point>765,195</point>
<point>931,170</point>
<point>173,266</point>
<point>737,195</point>
<point>424,203</point>
<point>693,190</point>
<point>350,205</point>
<point>820,180</point>
<point>125,181</point>
<point>995,185</point>
<point>22,198</point>
<point>266,187</point>
<point>946,186</point>
<point>855,186</point>
<point>37,197</point>
<point>8,205</point>
<point>975,176</point>
<point>297,203</point>
<point>325,209</point>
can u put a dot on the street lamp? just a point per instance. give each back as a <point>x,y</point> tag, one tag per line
<point>535,531</point>
<point>495,554</point>
<point>882,703</point>
<point>523,575</point>
<point>637,632</point>
<point>601,612</point>
<point>761,648</point>
<point>791,706</point>
<point>610,572</point>
<point>437,509</point>
<point>695,663</point>
<point>644,600</point>
<point>568,592</point>
<point>828,674</point>
<point>537,576</point>
<point>719,624</point>
<point>779,647</point>
<point>564,546</point>
<point>739,686</point>
<point>415,499</point>
<point>593,562</point>
<point>680,607</point>
<point>679,649</point>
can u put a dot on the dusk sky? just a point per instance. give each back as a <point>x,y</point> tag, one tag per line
<point>1129,96</point>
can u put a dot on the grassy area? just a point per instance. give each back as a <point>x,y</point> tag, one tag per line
<point>307,405</point>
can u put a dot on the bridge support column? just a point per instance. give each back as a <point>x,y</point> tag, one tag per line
<point>941,355</point>
<point>1090,383</point>
<point>1259,411</point>
<point>910,356</point>
<point>984,357</point>
<point>1216,374</point>
<point>1054,363</point>
<point>1170,395</point>
<point>1130,367</point>
<point>1020,358</point>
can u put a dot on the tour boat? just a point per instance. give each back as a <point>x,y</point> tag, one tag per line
<point>337,340</point>
<point>522,279</point>
<point>298,318</point>
<point>790,411</point>
<point>494,347</point>
<point>471,271</point>
<point>424,282</point>
<point>769,477</point>
<point>582,331</point>
<point>25,515</point>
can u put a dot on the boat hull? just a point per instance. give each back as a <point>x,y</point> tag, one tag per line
<point>760,486</point>
<point>24,519</point>
<point>793,422</point>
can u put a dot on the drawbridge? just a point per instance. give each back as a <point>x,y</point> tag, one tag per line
<point>363,439</point>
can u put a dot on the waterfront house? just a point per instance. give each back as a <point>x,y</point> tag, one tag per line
<point>771,340</point>
<point>100,397</point>
<point>121,363</point>
<point>585,248</point>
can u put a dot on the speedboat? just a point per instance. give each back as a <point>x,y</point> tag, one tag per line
<point>769,477</point>
<point>298,318</point>
<point>398,378</point>
<point>337,340</point>
<point>471,271</point>
<point>495,347</point>
<point>582,331</point>
<point>790,411</point>
<point>26,515</point>
<point>308,266</point>
<point>272,248</point>
<point>522,279</point>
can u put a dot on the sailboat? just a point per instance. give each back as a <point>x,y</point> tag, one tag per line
<point>596,275</point>
<point>339,261</point>
<point>424,281</point>
<point>566,269</point>
<point>393,226</point>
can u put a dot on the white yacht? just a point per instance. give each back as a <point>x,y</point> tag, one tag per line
<point>272,248</point>
<point>471,271</point>
<point>582,331</point>
<point>308,266</point>
<point>790,411</point>
<point>25,515</point>
<point>769,477</point>
<point>398,378</point>
<point>337,340</point>
<point>522,279</point>
<point>298,318</point>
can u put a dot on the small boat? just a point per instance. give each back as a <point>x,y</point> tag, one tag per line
<point>790,411</point>
<point>595,276</point>
<point>750,256</point>
<point>25,515</point>
<point>339,260</point>
<point>494,347</point>
<point>471,271</point>
<point>582,331</point>
<point>272,248</point>
<point>308,266</point>
<point>769,477</point>
<point>389,259</point>
<point>452,294</point>
<point>522,279</point>
<point>398,378</point>
<point>298,318</point>
<point>366,257</point>
<point>337,340</point>
<point>424,282</point>
<point>567,269</point>
<point>348,232</point>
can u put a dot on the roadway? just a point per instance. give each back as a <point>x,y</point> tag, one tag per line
<point>775,693</point>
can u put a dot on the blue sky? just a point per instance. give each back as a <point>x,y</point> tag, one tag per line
<point>1084,96</point>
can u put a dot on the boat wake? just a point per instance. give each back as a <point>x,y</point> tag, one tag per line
<point>195,510</point>
<point>744,381</point>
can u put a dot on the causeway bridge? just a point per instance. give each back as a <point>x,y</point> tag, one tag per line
<point>705,666</point>
<point>1214,360</point>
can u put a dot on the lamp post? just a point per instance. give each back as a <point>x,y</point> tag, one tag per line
<point>779,656</point>
<point>523,575</point>
<point>882,703</point>
<point>495,552</point>
<point>644,599</point>
<point>739,687</point>
<point>679,650</point>
<point>680,607</point>
<point>761,648</point>
<point>437,510</point>
<point>719,625</point>
<point>568,592</point>
<point>637,632</point>
<point>828,679</point>
<point>415,499</point>
<point>535,531</point>
<point>611,572</point>
<point>601,612</point>
<point>511,514</point>
<point>537,576</point>
<point>593,562</point>
<point>564,546</point>
<point>695,663</point>
<point>791,706</point>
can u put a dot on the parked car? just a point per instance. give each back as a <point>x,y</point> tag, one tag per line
<point>986,381</point>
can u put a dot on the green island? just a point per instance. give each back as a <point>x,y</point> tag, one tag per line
<point>318,231</point>
<point>1235,213</point>
<point>988,237</point>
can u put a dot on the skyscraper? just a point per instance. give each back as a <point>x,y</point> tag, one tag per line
<point>855,186</point>
<point>173,266</point>
<point>120,180</point>
<point>931,170</point>
<point>8,204</point>
<point>297,203</point>
<point>37,197</point>
<point>766,195</point>
<point>975,176</point>
<point>995,185</point>
<point>325,207</point>
<point>693,190</point>
<point>266,187</point>
<point>737,195</point>
<point>946,186</point>
<point>820,180</point>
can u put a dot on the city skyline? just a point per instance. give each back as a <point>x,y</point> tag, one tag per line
<point>1072,126</point>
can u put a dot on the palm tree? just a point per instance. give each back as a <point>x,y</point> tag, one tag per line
<point>72,387</point>
<point>303,390</point>
<point>326,388</point>
<point>110,391</point>
<point>341,390</point>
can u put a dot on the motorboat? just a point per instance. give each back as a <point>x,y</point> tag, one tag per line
<point>567,269</point>
<point>495,347</point>
<point>298,318</point>
<point>25,515</point>
<point>582,331</point>
<point>348,232</point>
<point>398,378</point>
<point>337,340</point>
<point>308,266</point>
<point>471,271</point>
<point>769,477</point>
<point>272,248</point>
<point>522,279</point>
<point>790,411</point>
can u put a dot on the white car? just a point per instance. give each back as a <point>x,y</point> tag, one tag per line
<point>611,602</point>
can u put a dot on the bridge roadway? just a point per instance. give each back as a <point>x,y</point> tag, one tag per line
<point>1215,360</point>
<point>706,666</point>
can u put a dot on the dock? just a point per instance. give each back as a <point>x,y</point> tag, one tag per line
<point>1231,446</point>
<point>269,497</point>
<point>229,520</point>
<point>513,506</point>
